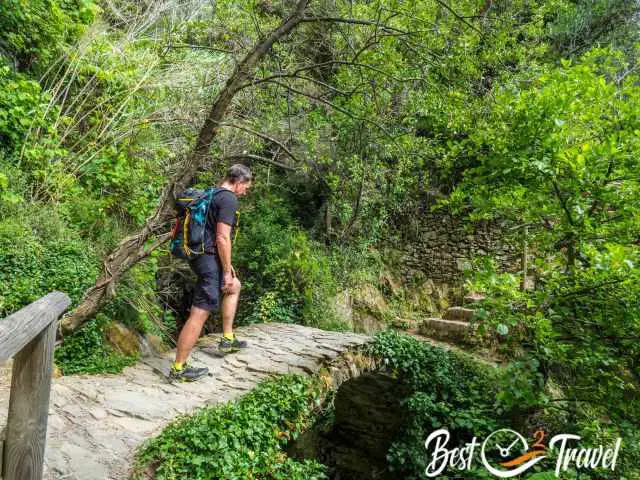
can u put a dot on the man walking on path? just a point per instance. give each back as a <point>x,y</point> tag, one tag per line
<point>217,285</point>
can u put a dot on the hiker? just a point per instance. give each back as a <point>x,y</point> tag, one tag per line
<point>217,285</point>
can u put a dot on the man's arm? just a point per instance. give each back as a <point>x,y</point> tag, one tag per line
<point>223,245</point>
<point>228,205</point>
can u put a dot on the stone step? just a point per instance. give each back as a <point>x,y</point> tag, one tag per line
<point>473,297</point>
<point>447,330</point>
<point>458,313</point>
<point>406,324</point>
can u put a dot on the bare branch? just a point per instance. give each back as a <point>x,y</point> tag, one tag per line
<point>250,156</point>
<point>295,73</point>
<point>171,46</point>
<point>301,77</point>
<point>265,137</point>
<point>336,107</point>
<point>352,21</point>
<point>458,16</point>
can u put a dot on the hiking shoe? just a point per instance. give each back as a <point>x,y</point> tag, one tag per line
<point>234,345</point>
<point>187,374</point>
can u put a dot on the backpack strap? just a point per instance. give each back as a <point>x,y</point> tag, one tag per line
<point>236,227</point>
<point>214,192</point>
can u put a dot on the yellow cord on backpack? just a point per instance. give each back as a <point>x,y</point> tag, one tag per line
<point>185,234</point>
<point>237,226</point>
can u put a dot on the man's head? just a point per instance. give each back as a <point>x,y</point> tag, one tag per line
<point>238,179</point>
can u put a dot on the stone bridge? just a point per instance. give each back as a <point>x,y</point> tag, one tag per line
<point>97,421</point>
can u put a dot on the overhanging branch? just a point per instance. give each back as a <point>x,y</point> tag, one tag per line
<point>259,158</point>
<point>264,136</point>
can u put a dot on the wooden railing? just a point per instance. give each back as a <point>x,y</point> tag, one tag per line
<point>29,336</point>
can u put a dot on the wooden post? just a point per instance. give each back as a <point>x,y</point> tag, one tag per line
<point>29,408</point>
<point>28,337</point>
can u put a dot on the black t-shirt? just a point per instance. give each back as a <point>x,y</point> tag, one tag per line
<point>223,209</point>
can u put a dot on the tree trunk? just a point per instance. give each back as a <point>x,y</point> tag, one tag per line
<point>136,247</point>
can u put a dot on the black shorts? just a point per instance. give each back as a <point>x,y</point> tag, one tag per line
<point>207,292</point>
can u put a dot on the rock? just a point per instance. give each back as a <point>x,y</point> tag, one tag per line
<point>439,245</point>
<point>409,325</point>
<point>343,306</point>
<point>361,308</point>
<point>389,284</point>
<point>367,297</point>
<point>151,345</point>
<point>139,404</point>
<point>98,413</point>
<point>123,339</point>
<point>366,323</point>
<point>82,463</point>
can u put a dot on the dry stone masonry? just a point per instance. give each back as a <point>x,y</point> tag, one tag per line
<point>436,246</point>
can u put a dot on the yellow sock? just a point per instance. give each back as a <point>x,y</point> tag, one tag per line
<point>228,336</point>
<point>177,366</point>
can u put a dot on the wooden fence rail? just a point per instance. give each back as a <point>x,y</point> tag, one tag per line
<point>28,336</point>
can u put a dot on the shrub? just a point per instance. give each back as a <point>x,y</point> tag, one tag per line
<point>33,32</point>
<point>86,351</point>
<point>453,391</point>
<point>39,254</point>
<point>286,276</point>
<point>240,439</point>
<point>448,391</point>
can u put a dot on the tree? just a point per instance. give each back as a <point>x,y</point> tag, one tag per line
<point>134,248</point>
<point>559,154</point>
<point>379,69</point>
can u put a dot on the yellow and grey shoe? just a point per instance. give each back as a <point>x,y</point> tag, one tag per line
<point>228,346</point>
<point>187,373</point>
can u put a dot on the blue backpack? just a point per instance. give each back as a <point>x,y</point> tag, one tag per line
<point>188,236</point>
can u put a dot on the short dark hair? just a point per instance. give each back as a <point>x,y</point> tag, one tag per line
<point>238,173</point>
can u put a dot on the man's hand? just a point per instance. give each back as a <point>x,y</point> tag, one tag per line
<point>227,280</point>
<point>223,245</point>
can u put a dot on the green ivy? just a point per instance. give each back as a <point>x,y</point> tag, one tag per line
<point>238,440</point>
<point>448,391</point>
<point>455,391</point>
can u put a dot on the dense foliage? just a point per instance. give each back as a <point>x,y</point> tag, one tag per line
<point>240,439</point>
<point>288,275</point>
<point>448,391</point>
<point>522,112</point>
<point>454,391</point>
<point>559,157</point>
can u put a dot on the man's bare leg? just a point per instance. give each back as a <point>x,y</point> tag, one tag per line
<point>229,306</point>
<point>229,342</point>
<point>190,333</point>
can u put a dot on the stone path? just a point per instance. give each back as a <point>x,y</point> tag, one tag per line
<point>97,421</point>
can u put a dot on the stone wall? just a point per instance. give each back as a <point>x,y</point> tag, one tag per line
<point>354,442</point>
<point>437,245</point>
